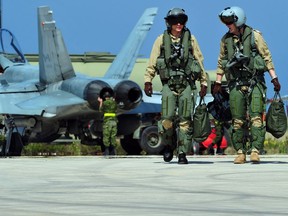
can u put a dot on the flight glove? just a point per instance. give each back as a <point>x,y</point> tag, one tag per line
<point>276,84</point>
<point>203,91</point>
<point>148,89</point>
<point>217,88</point>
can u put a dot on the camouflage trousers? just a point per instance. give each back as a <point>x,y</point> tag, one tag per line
<point>247,110</point>
<point>109,132</point>
<point>177,106</point>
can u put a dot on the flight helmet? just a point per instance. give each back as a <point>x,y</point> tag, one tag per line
<point>175,16</point>
<point>234,15</point>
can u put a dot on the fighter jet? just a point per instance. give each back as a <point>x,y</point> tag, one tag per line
<point>41,103</point>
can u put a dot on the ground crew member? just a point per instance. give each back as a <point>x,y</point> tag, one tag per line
<point>177,58</point>
<point>108,106</point>
<point>244,57</point>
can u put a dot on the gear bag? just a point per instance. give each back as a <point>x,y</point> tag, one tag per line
<point>201,122</point>
<point>276,120</point>
<point>219,108</point>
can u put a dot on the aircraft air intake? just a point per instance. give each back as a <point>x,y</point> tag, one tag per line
<point>128,94</point>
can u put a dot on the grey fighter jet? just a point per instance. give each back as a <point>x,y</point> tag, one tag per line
<point>41,103</point>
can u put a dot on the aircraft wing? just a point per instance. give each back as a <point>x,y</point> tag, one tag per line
<point>123,64</point>
<point>53,99</point>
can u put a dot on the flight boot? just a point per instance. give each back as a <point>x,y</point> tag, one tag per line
<point>182,159</point>
<point>220,151</point>
<point>210,150</point>
<point>106,151</point>
<point>241,157</point>
<point>112,150</point>
<point>254,156</point>
<point>167,153</point>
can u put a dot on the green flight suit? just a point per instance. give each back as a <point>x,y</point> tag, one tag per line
<point>247,86</point>
<point>179,90</point>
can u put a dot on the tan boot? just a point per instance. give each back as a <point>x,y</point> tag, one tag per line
<point>241,158</point>
<point>254,157</point>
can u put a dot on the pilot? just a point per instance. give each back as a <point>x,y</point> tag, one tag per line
<point>108,106</point>
<point>178,60</point>
<point>244,58</point>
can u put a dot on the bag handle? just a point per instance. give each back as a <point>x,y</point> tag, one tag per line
<point>276,95</point>
<point>201,99</point>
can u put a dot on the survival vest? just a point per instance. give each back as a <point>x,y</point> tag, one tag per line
<point>176,64</point>
<point>255,65</point>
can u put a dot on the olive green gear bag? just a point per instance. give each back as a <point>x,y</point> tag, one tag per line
<point>276,120</point>
<point>201,122</point>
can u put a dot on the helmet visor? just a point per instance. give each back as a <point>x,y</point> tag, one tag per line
<point>174,20</point>
<point>227,20</point>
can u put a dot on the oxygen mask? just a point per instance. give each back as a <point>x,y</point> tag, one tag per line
<point>177,51</point>
<point>238,59</point>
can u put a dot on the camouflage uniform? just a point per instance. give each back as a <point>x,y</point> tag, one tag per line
<point>109,108</point>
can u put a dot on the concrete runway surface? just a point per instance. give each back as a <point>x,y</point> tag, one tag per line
<point>143,185</point>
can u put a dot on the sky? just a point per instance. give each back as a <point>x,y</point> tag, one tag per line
<point>104,25</point>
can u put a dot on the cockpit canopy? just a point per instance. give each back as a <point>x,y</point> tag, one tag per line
<point>10,48</point>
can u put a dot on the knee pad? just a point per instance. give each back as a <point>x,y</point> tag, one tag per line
<point>237,124</point>
<point>184,125</point>
<point>167,124</point>
<point>256,121</point>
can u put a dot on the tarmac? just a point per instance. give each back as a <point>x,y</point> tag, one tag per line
<point>143,185</point>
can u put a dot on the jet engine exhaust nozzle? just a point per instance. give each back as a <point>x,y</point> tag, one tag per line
<point>128,95</point>
<point>94,90</point>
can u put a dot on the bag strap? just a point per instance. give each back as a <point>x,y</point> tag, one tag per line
<point>201,99</point>
<point>277,95</point>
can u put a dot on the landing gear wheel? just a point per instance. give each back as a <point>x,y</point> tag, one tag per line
<point>16,145</point>
<point>130,145</point>
<point>151,142</point>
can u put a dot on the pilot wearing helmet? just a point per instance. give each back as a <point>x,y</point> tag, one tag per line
<point>108,106</point>
<point>178,60</point>
<point>244,58</point>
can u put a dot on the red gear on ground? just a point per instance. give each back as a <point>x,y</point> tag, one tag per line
<point>211,137</point>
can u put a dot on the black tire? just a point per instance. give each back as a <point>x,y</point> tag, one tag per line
<point>16,145</point>
<point>130,145</point>
<point>15,148</point>
<point>2,148</point>
<point>151,142</point>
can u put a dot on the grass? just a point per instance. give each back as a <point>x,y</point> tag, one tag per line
<point>70,149</point>
<point>271,145</point>
<point>274,146</point>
